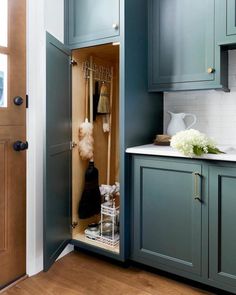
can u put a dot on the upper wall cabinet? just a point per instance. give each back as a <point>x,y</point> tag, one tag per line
<point>182,51</point>
<point>90,22</point>
<point>225,22</point>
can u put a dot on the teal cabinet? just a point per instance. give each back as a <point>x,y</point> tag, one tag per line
<point>91,22</point>
<point>57,169</point>
<point>183,218</point>
<point>182,51</point>
<point>225,22</point>
<point>135,129</point>
<point>222,221</point>
<point>167,214</point>
<point>231,17</point>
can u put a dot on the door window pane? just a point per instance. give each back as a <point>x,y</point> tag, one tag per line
<point>3,22</point>
<point>3,80</point>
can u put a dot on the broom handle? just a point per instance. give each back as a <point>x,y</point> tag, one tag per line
<point>91,89</point>
<point>109,135</point>
<point>91,94</point>
<point>86,98</point>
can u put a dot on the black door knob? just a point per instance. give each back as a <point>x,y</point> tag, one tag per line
<point>18,100</point>
<point>20,146</point>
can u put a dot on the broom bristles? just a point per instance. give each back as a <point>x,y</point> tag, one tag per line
<point>103,104</point>
<point>90,203</point>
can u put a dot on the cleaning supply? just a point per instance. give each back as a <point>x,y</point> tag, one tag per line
<point>103,104</point>
<point>90,202</point>
<point>95,100</point>
<point>104,107</point>
<point>109,147</point>
<point>86,140</point>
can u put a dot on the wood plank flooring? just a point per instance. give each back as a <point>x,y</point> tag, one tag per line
<point>81,274</point>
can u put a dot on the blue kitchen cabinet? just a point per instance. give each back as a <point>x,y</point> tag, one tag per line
<point>167,212</point>
<point>182,51</point>
<point>91,22</point>
<point>231,17</point>
<point>183,218</point>
<point>57,169</point>
<point>134,128</point>
<point>225,22</point>
<point>222,221</point>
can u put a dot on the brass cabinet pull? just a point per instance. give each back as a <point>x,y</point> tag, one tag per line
<point>210,70</point>
<point>197,187</point>
<point>115,26</point>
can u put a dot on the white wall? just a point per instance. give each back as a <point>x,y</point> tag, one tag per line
<point>215,110</point>
<point>42,15</point>
<point>54,18</point>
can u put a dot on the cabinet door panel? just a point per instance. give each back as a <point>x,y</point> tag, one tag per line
<point>181,41</point>
<point>231,17</point>
<point>167,218</point>
<point>91,20</point>
<point>57,174</point>
<point>222,224</point>
<point>225,15</point>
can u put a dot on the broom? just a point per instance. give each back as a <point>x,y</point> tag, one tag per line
<point>104,107</point>
<point>90,202</point>
<point>110,133</point>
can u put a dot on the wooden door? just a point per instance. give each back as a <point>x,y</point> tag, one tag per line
<point>167,217</point>
<point>222,220</point>
<point>12,128</point>
<point>57,174</point>
<point>181,44</point>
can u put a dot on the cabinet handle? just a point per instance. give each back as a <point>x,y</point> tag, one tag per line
<point>197,186</point>
<point>115,26</point>
<point>210,70</point>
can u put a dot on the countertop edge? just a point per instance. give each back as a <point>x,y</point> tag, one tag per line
<point>153,150</point>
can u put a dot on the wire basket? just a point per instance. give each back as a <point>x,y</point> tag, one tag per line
<point>109,215</point>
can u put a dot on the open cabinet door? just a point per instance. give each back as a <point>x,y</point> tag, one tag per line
<point>57,165</point>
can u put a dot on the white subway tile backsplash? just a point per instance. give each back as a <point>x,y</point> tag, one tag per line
<point>215,110</point>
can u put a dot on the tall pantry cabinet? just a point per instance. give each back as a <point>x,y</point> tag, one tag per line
<point>102,37</point>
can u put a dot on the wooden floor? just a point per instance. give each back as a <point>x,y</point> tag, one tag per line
<point>81,274</point>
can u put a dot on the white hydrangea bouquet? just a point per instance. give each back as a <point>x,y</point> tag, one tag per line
<point>193,143</point>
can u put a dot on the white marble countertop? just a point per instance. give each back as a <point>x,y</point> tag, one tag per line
<point>167,151</point>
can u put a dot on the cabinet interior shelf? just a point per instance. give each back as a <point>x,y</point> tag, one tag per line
<point>82,238</point>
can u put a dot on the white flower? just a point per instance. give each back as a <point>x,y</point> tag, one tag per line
<point>192,142</point>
